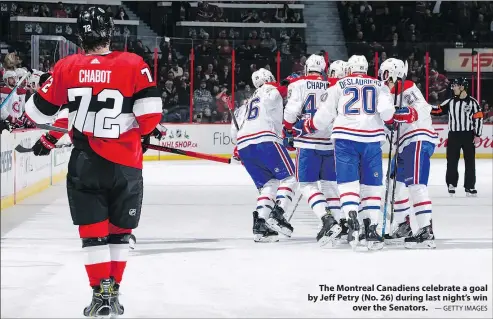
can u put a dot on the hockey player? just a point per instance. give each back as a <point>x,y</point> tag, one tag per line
<point>315,155</point>
<point>358,103</point>
<point>259,146</point>
<point>34,80</point>
<point>416,145</point>
<point>13,108</point>
<point>112,102</point>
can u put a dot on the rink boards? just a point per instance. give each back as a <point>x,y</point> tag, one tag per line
<point>216,139</point>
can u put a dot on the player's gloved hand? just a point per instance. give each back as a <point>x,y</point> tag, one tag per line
<point>159,132</point>
<point>290,78</point>
<point>15,122</point>
<point>44,145</point>
<point>4,125</point>
<point>288,139</point>
<point>405,115</point>
<point>304,127</point>
<point>147,140</point>
<point>236,154</point>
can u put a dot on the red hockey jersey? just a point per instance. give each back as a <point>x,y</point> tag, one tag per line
<point>112,101</point>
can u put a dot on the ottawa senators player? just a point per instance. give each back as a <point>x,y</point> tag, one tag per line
<point>112,103</point>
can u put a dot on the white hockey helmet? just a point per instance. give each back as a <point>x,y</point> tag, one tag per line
<point>20,72</point>
<point>339,68</point>
<point>357,64</point>
<point>262,76</point>
<point>9,74</point>
<point>315,63</point>
<point>34,78</point>
<point>392,69</point>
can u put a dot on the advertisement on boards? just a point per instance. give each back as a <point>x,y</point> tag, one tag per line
<point>7,164</point>
<point>461,60</point>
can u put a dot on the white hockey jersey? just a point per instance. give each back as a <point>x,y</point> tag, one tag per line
<point>305,95</point>
<point>422,129</point>
<point>262,118</point>
<point>15,106</point>
<point>359,104</point>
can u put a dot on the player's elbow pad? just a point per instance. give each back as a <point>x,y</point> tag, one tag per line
<point>147,109</point>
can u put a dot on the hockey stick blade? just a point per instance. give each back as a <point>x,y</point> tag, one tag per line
<point>51,128</point>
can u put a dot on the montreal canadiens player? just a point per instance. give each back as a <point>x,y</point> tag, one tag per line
<point>13,108</point>
<point>360,105</point>
<point>315,155</point>
<point>416,144</point>
<point>260,148</point>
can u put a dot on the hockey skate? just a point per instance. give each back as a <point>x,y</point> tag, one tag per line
<point>373,240</point>
<point>471,192</point>
<point>363,232</point>
<point>342,237</point>
<point>353,229</point>
<point>100,304</point>
<point>116,307</point>
<point>261,233</point>
<point>278,223</point>
<point>451,190</point>
<point>402,231</point>
<point>424,238</point>
<point>329,232</point>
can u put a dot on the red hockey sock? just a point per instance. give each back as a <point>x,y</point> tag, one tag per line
<point>119,250</point>
<point>98,257</point>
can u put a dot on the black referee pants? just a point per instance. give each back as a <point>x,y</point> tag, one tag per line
<point>456,142</point>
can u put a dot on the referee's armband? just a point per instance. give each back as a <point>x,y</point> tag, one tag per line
<point>477,115</point>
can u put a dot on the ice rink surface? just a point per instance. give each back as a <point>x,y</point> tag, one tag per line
<point>195,256</point>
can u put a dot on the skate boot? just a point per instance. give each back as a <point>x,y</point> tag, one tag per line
<point>353,229</point>
<point>402,231</point>
<point>451,190</point>
<point>344,229</point>
<point>329,232</point>
<point>116,307</point>
<point>363,233</point>
<point>278,223</point>
<point>373,240</point>
<point>471,192</point>
<point>261,233</point>
<point>424,238</point>
<point>100,304</point>
<point>132,241</point>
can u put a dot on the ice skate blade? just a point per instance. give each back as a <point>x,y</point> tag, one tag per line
<point>471,195</point>
<point>451,194</point>
<point>274,225</point>
<point>427,244</point>
<point>394,241</point>
<point>262,239</point>
<point>374,245</point>
<point>354,243</point>
<point>330,241</point>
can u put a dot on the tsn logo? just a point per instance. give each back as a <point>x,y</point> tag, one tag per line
<point>486,59</point>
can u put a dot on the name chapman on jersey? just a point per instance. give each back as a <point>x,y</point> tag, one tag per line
<point>358,81</point>
<point>317,85</point>
<point>94,76</point>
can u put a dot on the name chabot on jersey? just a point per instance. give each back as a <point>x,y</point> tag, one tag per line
<point>94,76</point>
<point>358,81</point>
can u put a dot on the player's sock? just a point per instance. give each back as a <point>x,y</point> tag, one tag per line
<point>421,203</point>
<point>370,202</point>
<point>331,191</point>
<point>266,198</point>
<point>316,199</point>
<point>119,246</point>
<point>285,192</point>
<point>349,197</point>
<point>95,245</point>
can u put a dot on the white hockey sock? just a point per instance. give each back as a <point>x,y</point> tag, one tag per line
<point>265,200</point>
<point>285,192</point>
<point>331,192</point>
<point>315,198</point>
<point>370,202</point>
<point>421,203</point>
<point>349,197</point>
<point>402,207</point>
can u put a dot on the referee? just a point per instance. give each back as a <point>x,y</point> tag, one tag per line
<point>465,123</point>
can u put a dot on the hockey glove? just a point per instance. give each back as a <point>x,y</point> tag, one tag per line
<point>236,154</point>
<point>44,145</point>
<point>159,132</point>
<point>304,127</point>
<point>288,139</point>
<point>4,125</point>
<point>145,139</point>
<point>405,115</point>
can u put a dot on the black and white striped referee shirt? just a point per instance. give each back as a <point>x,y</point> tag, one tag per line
<point>463,114</point>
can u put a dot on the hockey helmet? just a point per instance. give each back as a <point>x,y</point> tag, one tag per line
<point>20,73</point>
<point>262,76</point>
<point>9,74</point>
<point>460,82</point>
<point>392,69</point>
<point>315,63</point>
<point>337,69</point>
<point>357,64</point>
<point>94,27</point>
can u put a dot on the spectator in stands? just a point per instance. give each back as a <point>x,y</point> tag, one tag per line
<point>60,12</point>
<point>121,14</point>
<point>265,17</point>
<point>45,11</point>
<point>251,17</point>
<point>176,70</point>
<point>268,43</point>
<point>202,97</point>
<point>205,11</point>
<point>438,84</point>
<point>225,76</point>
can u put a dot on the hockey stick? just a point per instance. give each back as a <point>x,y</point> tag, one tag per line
<point>21,149</point>
<point>295,206</point>
<point>233,117</point>
<point>389,165</point>
<point>4,102</point>
<point>155,147</point>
